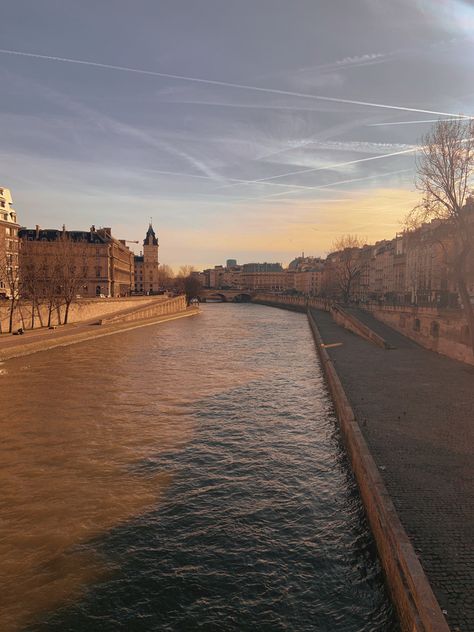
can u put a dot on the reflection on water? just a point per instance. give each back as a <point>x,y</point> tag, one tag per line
<point>179,476</point>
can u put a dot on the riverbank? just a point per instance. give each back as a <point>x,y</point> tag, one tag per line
<point>415,410</point>
<point>44,339</point>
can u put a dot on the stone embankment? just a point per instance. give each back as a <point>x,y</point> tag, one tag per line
<point>81,310</point>
<point>342,316</point>
<point>442,330</point>
<point>146,313</point>
<point>406,416</point>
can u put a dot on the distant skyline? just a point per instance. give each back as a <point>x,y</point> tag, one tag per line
<point>250,130</point>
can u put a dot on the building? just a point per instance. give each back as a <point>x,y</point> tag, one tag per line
<point>261,267</point>
<point>97,263</point>
<point>308,275</point>
<point>9,278</point>
<point>147,274</point>
<point>309,282</point>
<point>271,281</point>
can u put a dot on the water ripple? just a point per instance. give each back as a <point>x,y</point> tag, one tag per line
<point>183,477</point>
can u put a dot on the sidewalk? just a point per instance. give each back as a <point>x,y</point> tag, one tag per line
<point>44,339</point>
<point>416,410</point>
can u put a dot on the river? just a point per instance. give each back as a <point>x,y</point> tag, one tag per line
<point>182,476</point>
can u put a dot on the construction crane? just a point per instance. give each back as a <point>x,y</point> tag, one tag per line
<point>131,241</point>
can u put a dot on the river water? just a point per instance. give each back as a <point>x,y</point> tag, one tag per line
<point>183,476</point>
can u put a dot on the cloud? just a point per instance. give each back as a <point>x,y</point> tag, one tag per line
<point>215,82</point>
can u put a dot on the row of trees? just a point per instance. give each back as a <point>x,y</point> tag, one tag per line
<point>52,280</point>
<point>42,286</point>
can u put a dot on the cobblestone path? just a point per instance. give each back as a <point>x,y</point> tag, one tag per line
<point>416,410</point>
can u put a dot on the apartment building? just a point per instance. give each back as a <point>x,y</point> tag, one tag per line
<point>9,278</point>
<point>104,265</point>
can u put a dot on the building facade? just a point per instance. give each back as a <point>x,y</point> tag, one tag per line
<point>147,273</point>
<point>9,277</point>
<point>98,264</point>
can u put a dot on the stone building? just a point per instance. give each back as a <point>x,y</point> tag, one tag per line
<point>147,274</point>
<point>271,281</point>
<point>8,245</point>
<point>428,280</point>
<point>308,273</point>
<point>308,282</point>
<point>102,265</point>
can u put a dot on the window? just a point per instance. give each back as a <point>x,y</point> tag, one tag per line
<point>416,324</point>
<point>434,329</point>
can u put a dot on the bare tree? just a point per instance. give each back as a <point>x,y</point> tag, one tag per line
<point>70,270</point>
<point>30,280</point>
<point>346,261</point>
<point>10,278</point>
<point>445,167</point>
<point>166,275</point>
<point>183,273</point>
<point>192,286</point>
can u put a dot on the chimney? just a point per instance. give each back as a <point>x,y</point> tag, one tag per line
<point>37,231</point>
<point>92,228</point>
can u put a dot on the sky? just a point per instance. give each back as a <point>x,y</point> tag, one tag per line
<point>251,130</point>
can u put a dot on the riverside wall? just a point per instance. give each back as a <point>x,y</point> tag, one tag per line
<point>160,311</point>
<point>349,321</point>
<point>295,303</point>
<point>145,312</point>
<point>443,331</point>
<point>80,311</point>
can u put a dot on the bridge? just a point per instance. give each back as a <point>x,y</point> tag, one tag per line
<point>226,296</point>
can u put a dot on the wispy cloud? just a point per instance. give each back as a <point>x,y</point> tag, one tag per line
<point>336,165</point>
<point>105,122</point>
<point>330,185</point>
<point>224,84</point>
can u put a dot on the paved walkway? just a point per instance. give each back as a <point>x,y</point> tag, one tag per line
<point>416,410</point>
<point>44,339</point>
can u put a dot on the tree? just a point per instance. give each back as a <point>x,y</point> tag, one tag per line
<point>192,286</point>
<point>346,263</point>
<point>10,280</point>
<point>70,270</point>
<point>166,275</point>
<point>183,273</point>
<point>445,167</point>
<point>30,280</point>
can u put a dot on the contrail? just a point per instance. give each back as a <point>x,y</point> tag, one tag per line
<point>181,174</point>
<point>225,84</point>
<point>333,166</point>
<point>455,118</point>
<point>325,186</point>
